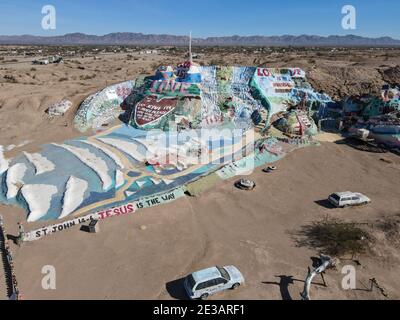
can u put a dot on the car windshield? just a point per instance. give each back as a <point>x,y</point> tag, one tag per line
<point>224,273</point>
<point>190,281</point>
<point>335,196</point>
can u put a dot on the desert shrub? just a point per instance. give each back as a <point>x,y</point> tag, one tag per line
<point>335,237</point>
<point>391,228</point>
<point>63,79</point>
<point>10,78</point>
<point>33,69</point>
<point>88,77</point>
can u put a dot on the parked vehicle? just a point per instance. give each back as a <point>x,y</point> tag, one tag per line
<point>348,198</point>
<point>202,284</point>
<point>41,61</point>
<point>269,169</point>
<point>46,61</point>
<point>244,184</point>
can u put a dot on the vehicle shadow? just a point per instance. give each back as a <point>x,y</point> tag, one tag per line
<point>176,289</point>
<point>325,203</point>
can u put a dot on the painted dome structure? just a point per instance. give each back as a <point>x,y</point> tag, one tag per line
<point>160,149</point>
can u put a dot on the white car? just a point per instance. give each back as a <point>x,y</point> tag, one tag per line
<point>202,284</point>
<point>348,198</point>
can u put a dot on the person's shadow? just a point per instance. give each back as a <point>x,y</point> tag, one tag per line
<point>13,238</point>
<point>177,290</point>
<point>283,284</point>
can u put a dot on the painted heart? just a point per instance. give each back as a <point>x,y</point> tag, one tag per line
<point>151,110</point>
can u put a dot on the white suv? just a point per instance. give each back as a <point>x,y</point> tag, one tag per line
<point>202,284</point>
<point>346,199</point>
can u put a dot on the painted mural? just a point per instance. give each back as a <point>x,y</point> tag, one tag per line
<point>161,146</point>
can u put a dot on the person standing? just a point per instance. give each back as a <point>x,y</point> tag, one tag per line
<point>21,233</point>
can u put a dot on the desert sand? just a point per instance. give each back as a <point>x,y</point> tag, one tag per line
<point>254,231</point>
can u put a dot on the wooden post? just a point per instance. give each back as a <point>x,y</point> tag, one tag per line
<point>323,279</point>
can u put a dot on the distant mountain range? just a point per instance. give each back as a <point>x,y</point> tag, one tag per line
<point>128,38</point>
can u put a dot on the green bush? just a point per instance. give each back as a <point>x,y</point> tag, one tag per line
<point>335,237</point>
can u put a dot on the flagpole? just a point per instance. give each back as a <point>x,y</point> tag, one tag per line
<point>190,48</point>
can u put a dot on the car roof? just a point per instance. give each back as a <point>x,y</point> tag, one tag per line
<point>345,194</point>
<point>206,274</point>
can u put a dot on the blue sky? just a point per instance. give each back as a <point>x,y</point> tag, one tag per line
<point>203,17</point>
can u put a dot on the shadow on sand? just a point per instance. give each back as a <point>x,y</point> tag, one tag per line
<point>283,284</point>
<point>325,203</point>
<point>286,281</point>
<point>363,145</point>
<point>176,289</point>
<point>12,238</point>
